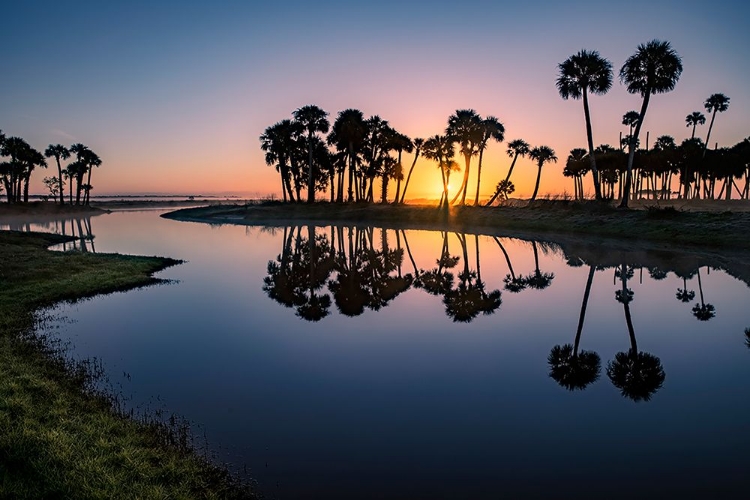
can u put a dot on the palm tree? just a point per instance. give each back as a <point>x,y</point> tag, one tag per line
<point>418,143</point>
<point>277,141</point>
<point>715,102</point>
<point>541,155</point>
<point>653,69</point>
<point>491,129</point>
<point>694,119</point>
<point>400,143</point>
<point>58,151</point>
<point>465,128</point>
<point>93,160</point>
<point>30,160</point>
<point>539,280</point>
<point>569,367</point>
<point>439,148</point>
<point>683,294</point>
<point>637,374</point>
<point>516,148</point>
<point>347,135</point>
<point>313,120</point>
<point>630,120</point>
<point>580,74</point>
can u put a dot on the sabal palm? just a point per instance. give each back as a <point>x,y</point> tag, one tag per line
<point>277,142</point>
<point>92,160</point>
<point>541,155</point>
<point>58,151</point>
<point>581,73</point>
<point>400,143</point>
<point>630,120</point>
<point>313,120</point>
<point>655,68</point>
<point>703,311</point>
<point>693,120</point>
<point>516,148</point>
<point>465,128</point>
<point>418,143</point>
<point>715,103</point>
<point>492,129</point>
<point>439,148</point>
<point>348,135</point>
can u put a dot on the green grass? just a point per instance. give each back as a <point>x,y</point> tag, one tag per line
<point>544,217</point>
<point>60,438</point>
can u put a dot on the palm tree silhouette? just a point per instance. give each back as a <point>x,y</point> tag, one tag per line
<point>58,151</point>
<point>347,135</point>
<point>703,311</point>
<point>439,148</point>
<point>491,129</point>
<point>401,143</point>
<point>465,128</point>
<point>653,69</point>
<point>715,103</point>
<point>313,120</point>
<point>277,141</point>
<point>516,148</point>
<point>683,294</point>
<point>439,280</point>
<point>630,120</point>
<point>418,143</point>
<point>580,74</point>
<point>541,155</point>
<point>694,119</point>
<point>570,368</point>
<point>637,374</point>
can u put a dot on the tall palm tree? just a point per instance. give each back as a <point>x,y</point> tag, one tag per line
<point>538,280</point>
<point>491,129</point>
<point>31,159</point>
<point>580,74</point>
<point>465,128</point>
<point>569,367</point>
<point>58,151</point>
<point>400,143</point>
<point>439,148</point>
<point>541,155</point>
<point>715,102</point>
<point>653,69</point>
<point>348,135</point>
<point>516,148</point>
<point>418,143</point>
<point>313,120</point>
<point>92,160</point>
<point>694,119</point>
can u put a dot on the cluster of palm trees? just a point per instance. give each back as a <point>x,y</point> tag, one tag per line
<point>358,151</point>
<point>655,68</point>
<point>22,160</point>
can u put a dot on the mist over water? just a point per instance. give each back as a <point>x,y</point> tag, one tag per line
<point>353,362</point>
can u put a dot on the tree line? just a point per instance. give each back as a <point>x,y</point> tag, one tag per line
<point>21,159</point>
<point>345,158</point>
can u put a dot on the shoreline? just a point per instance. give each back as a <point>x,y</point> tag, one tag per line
<point>662,227</point>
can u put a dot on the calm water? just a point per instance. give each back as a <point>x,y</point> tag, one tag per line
<point>391,364</point>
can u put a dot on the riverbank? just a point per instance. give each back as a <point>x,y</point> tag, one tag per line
<point>664,225</point>
<point>62,439</point>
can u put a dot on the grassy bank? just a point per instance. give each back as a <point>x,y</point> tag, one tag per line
<point>656,224</point>
<point>59,439</point>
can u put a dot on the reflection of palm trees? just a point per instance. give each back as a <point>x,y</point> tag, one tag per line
<point>638,375</point>
<point>538,280</point>
<point>683,294</point>
<point>468,299</point>
<point>439,280</point>
<point>703,311</point>
<point>512,282</point>
<point>569,367</point>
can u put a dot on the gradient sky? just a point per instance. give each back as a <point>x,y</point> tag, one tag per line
<point>174,96</point>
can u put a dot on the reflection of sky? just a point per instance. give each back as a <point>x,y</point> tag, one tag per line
<point>173,95</point>
<point>403,401</point>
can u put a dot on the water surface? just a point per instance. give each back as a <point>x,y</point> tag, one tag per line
<point>375,363</point>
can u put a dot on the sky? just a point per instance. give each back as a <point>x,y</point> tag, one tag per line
<point>174,95</point>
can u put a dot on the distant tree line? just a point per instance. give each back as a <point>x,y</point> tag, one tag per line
<point>347,157</point>
<point>20,160</point>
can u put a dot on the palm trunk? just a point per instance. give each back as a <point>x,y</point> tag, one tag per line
<point>590,137</point>
<point>399,176</point>
<point>479,177</point>
<point>351,172</point>
<point>462,190</point>
<point>408,177</point>
<point>536,186</point>
<point>708,136</point>
<point>626,306</point>
<point>88,183</point>
<point>310,180</point>
<point>631,152</point>
<point>60,178</point>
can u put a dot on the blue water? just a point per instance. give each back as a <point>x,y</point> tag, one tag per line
<point>403,401</point>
